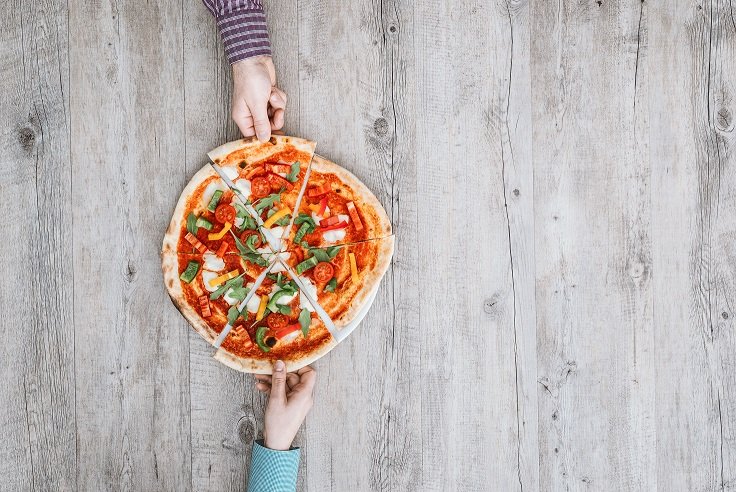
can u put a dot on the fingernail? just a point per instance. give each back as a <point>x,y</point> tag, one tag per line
<point>279,366</point>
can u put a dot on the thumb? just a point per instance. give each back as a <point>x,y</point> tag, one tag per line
<point>261,122</point>
<point>278,383</point>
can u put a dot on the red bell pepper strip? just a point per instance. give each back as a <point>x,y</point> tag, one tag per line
<point>222,249</point>
<point>319,190</point>
<point>322,206</point>
<point>256,171</point>
<point>329,221</point>
<point>354,216</point>
<point>340,225</point>
<point>287,330</point>
<point>279,181</point>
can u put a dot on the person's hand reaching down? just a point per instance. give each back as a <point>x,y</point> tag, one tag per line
<point>258,105</point>
<point>289,401</point>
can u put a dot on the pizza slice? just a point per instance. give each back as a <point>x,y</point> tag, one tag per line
<point>268,178</point>
<point>281,324</point>
<point>337,209</point>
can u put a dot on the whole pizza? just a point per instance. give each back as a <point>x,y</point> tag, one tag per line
<point>274,252</point>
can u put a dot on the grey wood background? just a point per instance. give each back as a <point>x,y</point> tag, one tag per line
<point>559,315</point>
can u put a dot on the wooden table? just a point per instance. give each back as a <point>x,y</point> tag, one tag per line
<point>559,314</point>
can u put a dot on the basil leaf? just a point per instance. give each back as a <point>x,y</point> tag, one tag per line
<point>239,293</point>
<point>305,319</point>
<point>255,258</point>
<point>304,229</point>
<point>331,285</point>
<point>267,201</point>
<point>232,314</point>
<point>325,254</point>
<point>294,173</point>
<point>250,243</point>
<point>232,283</point>
<point>192,223</point>
<point>285,309</point>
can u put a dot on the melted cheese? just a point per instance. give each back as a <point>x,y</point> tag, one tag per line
<point>210,190</point>
<point>281,300</point>
<point>230,172</point>
<point>244,186</point>
<point>311,289</point>
<point>278,267</point>
<point>253,302</point>
<point>228,299</point>
<point>206,277</point>
<point>213,262</point>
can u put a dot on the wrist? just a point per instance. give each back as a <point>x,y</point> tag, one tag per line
<point>276,444</point>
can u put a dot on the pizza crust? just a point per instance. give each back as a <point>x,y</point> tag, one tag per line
<point>265,366</point>
<point>252,150</point>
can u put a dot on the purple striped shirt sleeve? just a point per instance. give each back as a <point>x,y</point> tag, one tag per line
<point>242,25</point>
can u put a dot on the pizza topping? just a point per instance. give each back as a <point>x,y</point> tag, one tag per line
<point>283,334</point>
<point>222,250</point>
<point>192,223</point>
<point>306,225</point>
<point>322,206</point>
<point>216,236</point>
<point>307,264</point>
<point>318,191</point>
<point>230,172</point>
<point>331,285</point>
<point>195,242</point>
<point>260,334</point>
<point>214,200</point>
<point>329,221</point>
<point>223,278</point>
<point>323,272</point>
<point>204,304</point>
<point>341,224</point>
<point>294,172</point>
<point>251,239</point>
<point>311,290</point>
<point>207,276</point>
<point>212,262</point>
<point>204,223</point>
<point>279,168</point>
<point>354,216</point>
<point>283,296</point>
<point>224,213</point>
<point>190,272</point>
<point>278,267</point>
<point>236,293</point>
<point>260,187</point>
<point>277,182</point>
<point>276,321</point>
<point>266,202</point>
<point>232,315</point>
<point>232,284</point>
<point>325,254</point>
<point>243,186</point>
<point>262,308</point>
<point>276,216</point>
<point>256,171</point>
<point>353,268</point>
<point>305,320</point>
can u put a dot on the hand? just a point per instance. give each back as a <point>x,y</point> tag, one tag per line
<point>289,401</point>
<point>258,105</point>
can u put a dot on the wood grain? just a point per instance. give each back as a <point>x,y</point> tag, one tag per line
<point>577,158</point>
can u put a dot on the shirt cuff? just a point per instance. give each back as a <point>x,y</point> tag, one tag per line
<point>271,470</point>
<point>244,32</point>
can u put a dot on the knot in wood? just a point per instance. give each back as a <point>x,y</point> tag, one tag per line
<point>381,127</point>
<point>724,120</point>
<point>26,138</point>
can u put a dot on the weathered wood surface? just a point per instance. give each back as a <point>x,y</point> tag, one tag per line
<point>558,316</point>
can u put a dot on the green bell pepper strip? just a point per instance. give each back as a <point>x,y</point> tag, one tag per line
<point>190,272</point>
<point>278,295</point>
<point>303,230</point>
<point>260,333</point>
<point>214,200</point>
<point>192,223</point>
<point>306,265</point>
<point>204,223</point>
<point>331,285</point>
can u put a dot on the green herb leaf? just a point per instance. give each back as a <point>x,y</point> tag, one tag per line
<point>239,293</point>
<point>232,314</point>
<point>325,254</point>
<point>250,243</point>
<point>267,201</point>
<point>303,218</point>
<point>305,319</point>
<point>232,283</point>
<point>192,223</point>
<point>294,173</point>
<point>284,221</point>
<point>285,309</point>
<point>331,285</point>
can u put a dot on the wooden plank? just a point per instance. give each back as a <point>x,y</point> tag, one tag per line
<point>37,419</point>
<point>694,182</point>
<point>592,226</point>
<point>132,359</point>
<point>355,73</point>
<point>475,394</point>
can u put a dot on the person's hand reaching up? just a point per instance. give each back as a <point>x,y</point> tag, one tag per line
<point>258,105</point>
<point>289,401</point>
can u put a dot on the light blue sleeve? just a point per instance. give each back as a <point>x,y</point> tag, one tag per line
<point>273,471</point>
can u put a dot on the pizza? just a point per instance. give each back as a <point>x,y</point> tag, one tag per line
<point>274,253</point>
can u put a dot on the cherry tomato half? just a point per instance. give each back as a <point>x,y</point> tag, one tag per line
<point>225,213</point>
<point>323,272</point>
<point>260,187</point>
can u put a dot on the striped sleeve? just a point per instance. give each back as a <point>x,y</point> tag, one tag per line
<point>273,471</point>
<point>242,26</point>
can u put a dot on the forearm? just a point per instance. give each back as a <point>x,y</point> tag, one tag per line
<point>272,471</point>
<point>242,26</point>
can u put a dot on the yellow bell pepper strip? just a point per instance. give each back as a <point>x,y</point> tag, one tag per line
<point>224,278</point>
<point>216,236</point>
<point>353,268</point>
<point>272,220</point>
<point>262,307</point>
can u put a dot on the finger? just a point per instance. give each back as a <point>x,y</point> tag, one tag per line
<point>292,380</point>
<point>306,381</point>
<point>277,93</point>
<point>263,387</point>
<point>242,117</point>
<point>262,124</point>
<point>278,384</point>
<point>266,378</point>
<point>277,120</point>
